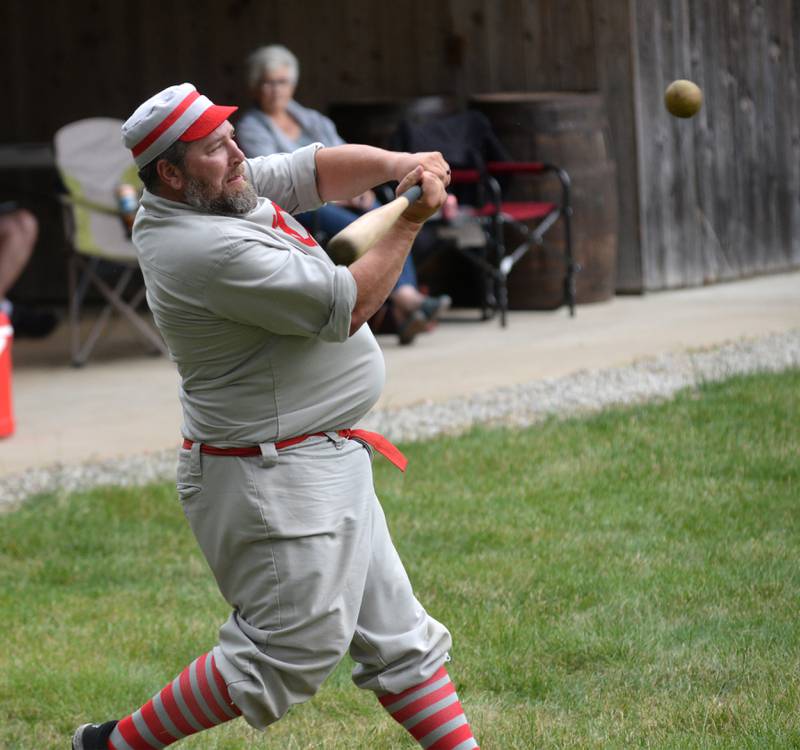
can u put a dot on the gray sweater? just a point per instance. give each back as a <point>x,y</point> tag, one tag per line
<point>257,134</point>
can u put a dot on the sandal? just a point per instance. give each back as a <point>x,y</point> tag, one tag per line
<point>414,324</point>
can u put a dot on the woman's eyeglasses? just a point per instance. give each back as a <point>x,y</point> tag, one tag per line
<point>269,83</point>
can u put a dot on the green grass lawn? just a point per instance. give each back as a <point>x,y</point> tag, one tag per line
<point>626,580</point>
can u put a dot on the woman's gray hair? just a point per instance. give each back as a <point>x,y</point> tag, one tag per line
<point>270,58</point>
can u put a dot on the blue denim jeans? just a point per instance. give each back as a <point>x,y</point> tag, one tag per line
<point>332,218</point>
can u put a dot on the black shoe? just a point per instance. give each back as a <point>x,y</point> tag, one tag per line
<point>93,736</point>
<point>31,323</point>
<point>414,324</point>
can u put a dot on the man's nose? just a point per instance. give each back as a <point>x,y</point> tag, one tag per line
<point>235,152</point>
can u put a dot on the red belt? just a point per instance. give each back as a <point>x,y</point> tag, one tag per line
<point>373,439</point>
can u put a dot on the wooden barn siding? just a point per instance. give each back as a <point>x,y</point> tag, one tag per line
<point>68,59</point>
<point>682,220</point>
<point>719,193</point>
<point>614,34</point>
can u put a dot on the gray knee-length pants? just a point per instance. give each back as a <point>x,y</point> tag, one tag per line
<point>299,546</point>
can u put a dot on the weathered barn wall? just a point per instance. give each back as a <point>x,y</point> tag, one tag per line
<point>701,200</point>
<point>614,43</point>
<point>68,59</point>
<point>720,193</point>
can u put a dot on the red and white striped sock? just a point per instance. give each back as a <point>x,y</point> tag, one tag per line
<point>432,713</point>
<point>195,700</point>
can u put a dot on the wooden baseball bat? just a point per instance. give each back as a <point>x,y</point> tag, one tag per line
<point>360,235</point>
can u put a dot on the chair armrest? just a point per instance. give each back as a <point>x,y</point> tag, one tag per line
<point>517,167</point>
<point>527,167</point>
<point>496,169</point>
<point>481,177</point>
<point>502,168</point>
<point>465,176</point>
<point>499,168</point>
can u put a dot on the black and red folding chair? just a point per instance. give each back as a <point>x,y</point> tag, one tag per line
<point>481,174</point>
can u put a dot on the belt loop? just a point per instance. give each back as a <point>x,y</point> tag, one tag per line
<point>269,455</point>
<point>336,439</point>
<point>196,462</point>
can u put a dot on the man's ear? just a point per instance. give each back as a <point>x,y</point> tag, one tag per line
<point>171,175</point>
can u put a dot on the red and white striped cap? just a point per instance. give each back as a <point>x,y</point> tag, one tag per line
<point>178,113</point>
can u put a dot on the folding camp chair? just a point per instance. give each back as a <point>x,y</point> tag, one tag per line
<point>93,162</point>
<point>481,173</point>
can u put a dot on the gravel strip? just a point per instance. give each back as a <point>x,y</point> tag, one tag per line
<point>518,406</point>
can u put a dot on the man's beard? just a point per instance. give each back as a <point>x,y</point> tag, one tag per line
<point>200,194</point>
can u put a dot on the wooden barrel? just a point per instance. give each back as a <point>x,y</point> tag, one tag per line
<point>569,130</point>
<point>373,121</point>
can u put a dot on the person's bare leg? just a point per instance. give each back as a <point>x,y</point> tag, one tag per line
<point>407,301</point>
<point>18,232</point>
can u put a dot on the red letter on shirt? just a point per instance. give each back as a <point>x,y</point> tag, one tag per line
<point>279,222</point>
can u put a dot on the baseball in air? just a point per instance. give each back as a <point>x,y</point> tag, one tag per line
<point>683,98</point>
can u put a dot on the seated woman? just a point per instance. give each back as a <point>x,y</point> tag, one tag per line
<point>277,123</point>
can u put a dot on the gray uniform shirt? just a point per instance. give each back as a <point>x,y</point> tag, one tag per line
<point>255,314</point>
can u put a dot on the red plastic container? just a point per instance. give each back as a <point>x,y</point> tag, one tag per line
<point>6,404</point>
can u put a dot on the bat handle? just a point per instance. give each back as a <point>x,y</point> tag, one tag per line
<point>413,194</point>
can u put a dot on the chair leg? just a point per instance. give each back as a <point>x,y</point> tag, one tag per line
<point>102,321</point>
<point>80,351</point>
<point>74,310</point>
<point>488,303</point>
<point>489,296</point>
<point>502,297</point>
<point>498,277</point>
<point>572,267</point>
<point>78,287</point>
<point>569,291</point>
<point>114,297</point>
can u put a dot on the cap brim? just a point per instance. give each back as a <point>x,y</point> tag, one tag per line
<point>207,123</point>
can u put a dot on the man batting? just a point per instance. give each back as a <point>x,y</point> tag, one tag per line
<point>276,367</point>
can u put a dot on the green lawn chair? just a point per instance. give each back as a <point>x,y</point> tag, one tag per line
<point>93,162</point>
